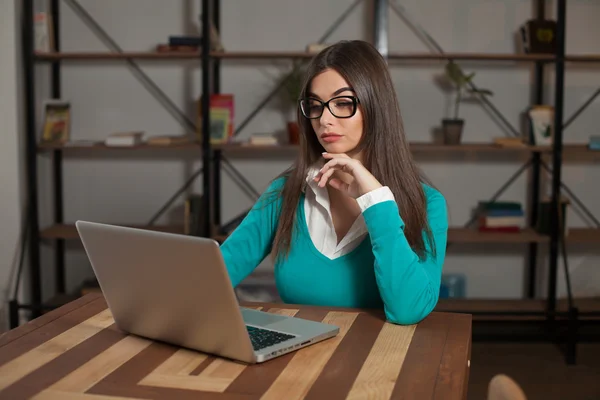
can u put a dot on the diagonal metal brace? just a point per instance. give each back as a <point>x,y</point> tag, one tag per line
<point>583,107</point>
<point>573,197</point>
<point>403,14</point>
<point>324,37</point>
<point>103,35</point>
<point>278,87</point>
<point>246,186</point>
<point>503,188</point>
<point>182,189</point>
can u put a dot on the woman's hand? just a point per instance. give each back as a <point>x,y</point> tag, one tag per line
<point>362,181</point>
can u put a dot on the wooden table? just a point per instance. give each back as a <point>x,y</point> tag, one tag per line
<point>76,352</point>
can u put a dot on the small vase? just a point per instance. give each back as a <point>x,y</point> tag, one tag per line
<point>293,132</point>
<point>452,130</point>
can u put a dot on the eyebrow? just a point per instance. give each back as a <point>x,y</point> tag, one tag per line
<point>340,90</point>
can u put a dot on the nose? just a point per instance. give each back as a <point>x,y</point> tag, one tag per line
<point>326,117</point>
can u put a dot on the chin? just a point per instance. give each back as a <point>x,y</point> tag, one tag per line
<point>337,148</point>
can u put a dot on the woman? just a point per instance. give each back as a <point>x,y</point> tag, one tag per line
<point>351,223</point>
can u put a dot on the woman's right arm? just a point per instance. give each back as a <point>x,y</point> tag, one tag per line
<point>251,241</point>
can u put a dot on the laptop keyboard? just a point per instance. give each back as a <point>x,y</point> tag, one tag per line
<point>262,338</point>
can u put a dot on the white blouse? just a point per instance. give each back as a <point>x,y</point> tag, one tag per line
<point>320,221</point>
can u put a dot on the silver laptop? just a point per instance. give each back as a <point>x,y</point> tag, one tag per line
<point>176,289</point>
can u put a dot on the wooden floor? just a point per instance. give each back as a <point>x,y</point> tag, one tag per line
<point>539,368</point>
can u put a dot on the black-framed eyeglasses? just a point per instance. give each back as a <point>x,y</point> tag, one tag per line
<point>340,107</point>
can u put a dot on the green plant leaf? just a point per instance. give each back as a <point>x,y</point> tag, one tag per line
<point>454,73</point>
<point>483,92</point>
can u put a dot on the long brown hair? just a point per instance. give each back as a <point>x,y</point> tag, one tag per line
<point>386,153</point>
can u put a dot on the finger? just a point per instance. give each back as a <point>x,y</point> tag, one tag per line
<point>339,185</point>
<point>325,177</point>
<point>334,162</point>
<point>326,167</point>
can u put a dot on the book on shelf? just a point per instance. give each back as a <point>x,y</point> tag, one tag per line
<point>594,143</point>
<point>509,142</point>
<point>221,118</point>
<point>124,139</point>
<point>169,48</point>
<point>500,216</point>
<point>193,216</point>
<point>258,139</point>
<point>166,140</point>
<point>43,32</point>
<point>538,36</point>
<point>545,212</point>
<point>57,121</point>
<point>80,143</point>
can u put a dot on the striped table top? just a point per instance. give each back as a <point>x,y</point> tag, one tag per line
<point>76,352</point>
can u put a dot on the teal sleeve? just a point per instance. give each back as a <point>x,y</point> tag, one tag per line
<point>251,241</point>
<point>409,286</point>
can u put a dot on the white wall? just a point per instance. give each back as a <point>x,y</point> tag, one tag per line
<point>106,97</point>
<point>10,151</point>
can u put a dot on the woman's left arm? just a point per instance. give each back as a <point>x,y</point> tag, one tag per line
<point>409,286</point>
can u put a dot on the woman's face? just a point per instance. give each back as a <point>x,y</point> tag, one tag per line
<point>336,135</point>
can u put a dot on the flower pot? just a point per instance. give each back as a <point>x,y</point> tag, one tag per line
<point>452,130</point>
<point>293,132</point>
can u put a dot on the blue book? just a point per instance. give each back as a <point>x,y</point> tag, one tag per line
<point>504,213</point>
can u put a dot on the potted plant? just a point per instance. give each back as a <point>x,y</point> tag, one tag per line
<point>453,127</point>
<point>292,86</point>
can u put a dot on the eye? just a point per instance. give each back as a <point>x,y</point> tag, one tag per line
<point>314,104</point>
<point>343,104</point>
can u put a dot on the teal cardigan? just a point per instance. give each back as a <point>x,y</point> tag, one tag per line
<point>382,272</point>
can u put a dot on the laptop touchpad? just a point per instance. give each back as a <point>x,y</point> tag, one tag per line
<point>260,318</point>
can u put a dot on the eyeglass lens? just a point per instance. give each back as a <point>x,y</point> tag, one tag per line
<point>341,107</point>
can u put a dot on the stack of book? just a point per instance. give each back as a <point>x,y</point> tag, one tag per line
<point>501,216</point>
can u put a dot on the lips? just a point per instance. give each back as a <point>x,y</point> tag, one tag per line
<point>330,137</point>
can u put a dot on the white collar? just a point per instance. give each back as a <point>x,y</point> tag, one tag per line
<point>313,170</point>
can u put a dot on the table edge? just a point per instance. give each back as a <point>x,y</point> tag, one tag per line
<point>13,334</point>
<point>30,326</point>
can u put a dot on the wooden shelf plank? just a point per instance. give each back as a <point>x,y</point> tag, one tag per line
<point>467,147</point>
<point>577,151</point>
<point>538,306</point>
<point>583,235</point>
<point>257,55</point>
<point>69,231</point>
<point>286,148</point>
<point>457,235</point>
<point>185,55</point>
<point>472,56</point>
<point>100,146</point>
<point>583,58</point>
<point>468,235</point>
<point>86,55</point>
<point>569,150</point>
